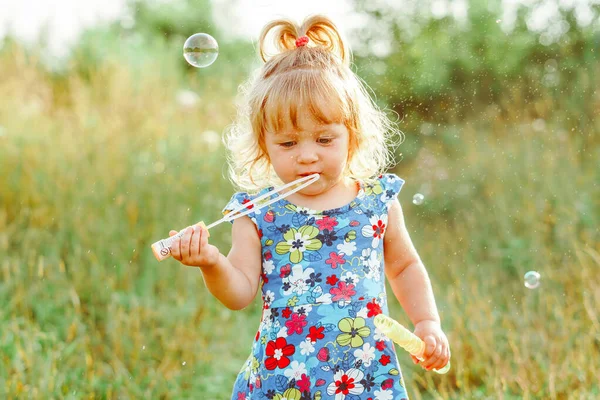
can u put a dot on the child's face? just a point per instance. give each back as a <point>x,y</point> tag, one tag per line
<point>313,147</point>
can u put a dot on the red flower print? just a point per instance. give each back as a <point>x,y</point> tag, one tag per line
<point>241,396</point>
<point>380,345</point>
<point>278,351</point>
<point>384,360</point>
<point>320,382</point>
<point>303,383</point>
<point>315,333</point>
<point>257,335</point>
<point>268,255</point>
<point>285,271</point>
<point>342,292</point>
<point>378,229</point>
<point>286,312</point>
<point>269,216</point>
<point>387,384</point>
<point>260,234</point>
<point>344,385</point>
<point>326,223</point>
<point>354,223</point>
<point>323,354</point>
<point>332,280</point>
<point>247,201</point>
<point>335,260</point>
<point>296,324</point>
<point>374,308</point>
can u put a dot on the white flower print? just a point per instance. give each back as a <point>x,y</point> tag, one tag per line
<point>325,298</point>
<point>266,319</point>
<point>309,212</point>
<point>376,229</point>
<point>269,297</point>
<point>349,381</point>
<point>306,347</point>
<point>383,395</point>
<point>378,335</point>
<point>306,307</point>
<point>295,370</point>
<point>349,278</point>
<point>365,254</point>
<point>297,280</point>
<point>374,266</point>
<point>282,332</point>
<point>364,312</point>
<point>268,266</point>
<point>347,248</point>
<point>366,354</point>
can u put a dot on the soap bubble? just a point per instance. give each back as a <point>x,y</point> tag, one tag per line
<point>418,199</point>
<point>200,50</point>
<point>532,279</point>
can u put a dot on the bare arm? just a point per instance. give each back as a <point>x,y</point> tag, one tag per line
<point>406,273</point>
<point>234,279</point>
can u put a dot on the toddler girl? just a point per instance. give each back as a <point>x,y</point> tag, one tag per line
<point>319,255</point>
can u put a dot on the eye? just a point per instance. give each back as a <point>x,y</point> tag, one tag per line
<point>325,140</point>
<point>286,144</point>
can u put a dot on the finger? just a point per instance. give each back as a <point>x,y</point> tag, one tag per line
<point>175,249</point>
<point>172,232</point>
<point>431,353</point>
<point>185,243</point>
<point>430,345</point>
<point>195,241</point>
<point>436,361</point>
<point>415,359</point>
<point>203,238</point>
<point>444,359</point>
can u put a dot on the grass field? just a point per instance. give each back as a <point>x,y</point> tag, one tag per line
<point>94,171</point>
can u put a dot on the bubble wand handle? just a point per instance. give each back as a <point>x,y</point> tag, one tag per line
<point>404,338</point>
<point>162,248</point>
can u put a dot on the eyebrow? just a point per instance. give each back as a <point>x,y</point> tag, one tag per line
<point>294,133</point>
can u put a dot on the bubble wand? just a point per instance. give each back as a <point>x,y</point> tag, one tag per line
<point>404,338</point>
<point>162,248</point>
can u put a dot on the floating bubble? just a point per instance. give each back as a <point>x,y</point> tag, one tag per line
<point>418,199</point>
<point>532,279</point>
<point>498,21</point>
<point>200,50</point>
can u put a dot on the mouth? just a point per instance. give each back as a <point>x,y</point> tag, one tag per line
<point>308,174</point>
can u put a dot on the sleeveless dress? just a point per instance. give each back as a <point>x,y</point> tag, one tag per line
<point>322,284</point>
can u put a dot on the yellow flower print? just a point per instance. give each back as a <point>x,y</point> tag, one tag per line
<point>255,364</point>
<point>292,301</point>
<point>354,332</point>
<point>290,394</point>
<point>375,189</point>
<point>297,241</point>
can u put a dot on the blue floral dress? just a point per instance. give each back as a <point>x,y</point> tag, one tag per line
<point>322,284</point>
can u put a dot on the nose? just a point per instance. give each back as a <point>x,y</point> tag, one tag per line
<point>307,154</point>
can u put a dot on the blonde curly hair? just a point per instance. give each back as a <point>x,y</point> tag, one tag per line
<point>307,77</point>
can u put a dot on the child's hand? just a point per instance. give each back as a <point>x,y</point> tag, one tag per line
<point>437,350</point>
<point>193,249</point>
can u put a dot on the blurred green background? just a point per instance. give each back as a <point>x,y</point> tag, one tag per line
<point>105,152</point>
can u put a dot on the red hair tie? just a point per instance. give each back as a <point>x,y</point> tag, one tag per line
<point>301,41</point>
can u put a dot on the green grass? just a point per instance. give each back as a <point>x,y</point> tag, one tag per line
<point>94,171</point>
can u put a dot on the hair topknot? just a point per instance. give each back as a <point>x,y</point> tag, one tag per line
<point>320,30</point>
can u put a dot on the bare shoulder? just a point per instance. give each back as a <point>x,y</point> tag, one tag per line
<point>399,251</point>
